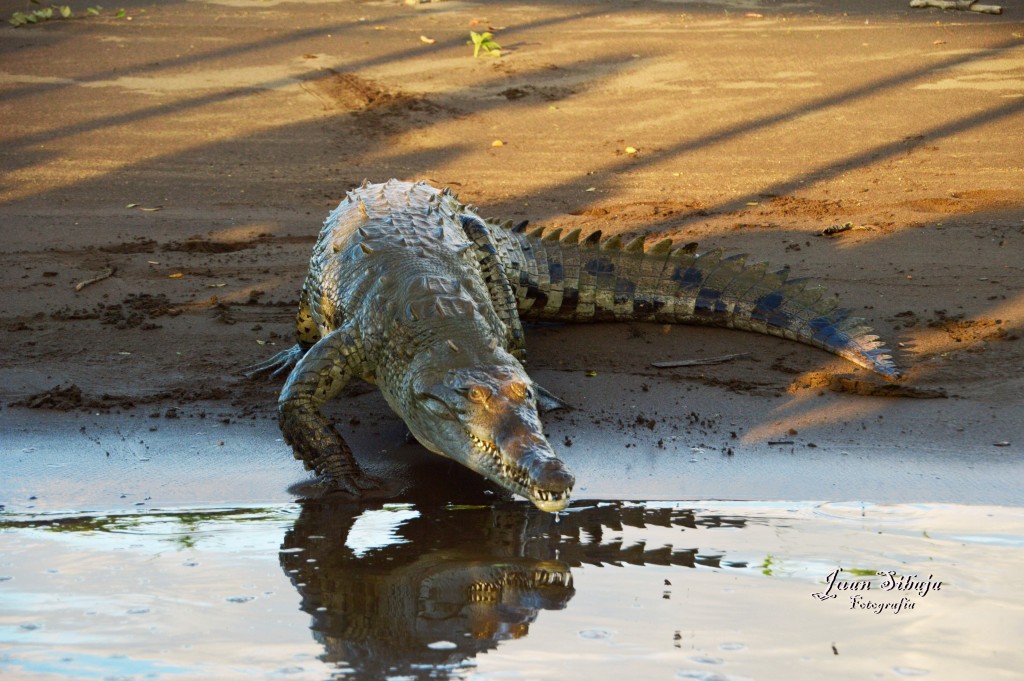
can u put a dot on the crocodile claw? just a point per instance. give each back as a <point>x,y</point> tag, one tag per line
<point>358,483</point>
<point>274,366</point>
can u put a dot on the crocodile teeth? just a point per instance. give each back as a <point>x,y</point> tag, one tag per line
<point>505,468</point>
<point>545,495</point>
<point>484,445</point>
<point>542,577</point>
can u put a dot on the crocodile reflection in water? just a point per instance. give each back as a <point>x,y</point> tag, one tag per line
<point>455,581</point>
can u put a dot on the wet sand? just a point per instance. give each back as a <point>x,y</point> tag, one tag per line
<point>80,462</point>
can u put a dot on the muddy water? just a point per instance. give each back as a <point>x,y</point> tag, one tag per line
<point>608,590</point>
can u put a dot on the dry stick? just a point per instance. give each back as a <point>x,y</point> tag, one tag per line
<point>966,5</point>
<point>327,103</point>
<point>698,362</point>
<point>103,275</point>
<point>836,229</point>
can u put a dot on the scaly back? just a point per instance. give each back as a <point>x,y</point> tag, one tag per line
<point>562,278</point>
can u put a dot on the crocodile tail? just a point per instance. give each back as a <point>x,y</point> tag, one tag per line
<point>560,277</point>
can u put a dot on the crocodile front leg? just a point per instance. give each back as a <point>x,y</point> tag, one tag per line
<point>320,375</point>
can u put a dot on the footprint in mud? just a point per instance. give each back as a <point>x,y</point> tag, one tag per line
<point>596,634</point>
<point>732,647</point>
<point>709,676</point>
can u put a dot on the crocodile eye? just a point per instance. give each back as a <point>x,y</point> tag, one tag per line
<point>478,393</point>
<point>518,390</point>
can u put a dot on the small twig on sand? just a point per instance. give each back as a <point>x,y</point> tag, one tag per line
<point>327,103</point>
<point>833,230</point>
<point>103,275</point>
<point>698,362</point>
<point>965,5</point>
<point>836,229</point>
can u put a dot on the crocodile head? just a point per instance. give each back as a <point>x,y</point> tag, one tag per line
<point>485,417</point>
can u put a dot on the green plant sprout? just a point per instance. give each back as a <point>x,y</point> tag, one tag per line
<point>484,42</point>
<point>861,572</point>
<point>45,14</point>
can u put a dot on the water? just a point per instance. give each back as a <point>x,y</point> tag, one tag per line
<point>318,590</point>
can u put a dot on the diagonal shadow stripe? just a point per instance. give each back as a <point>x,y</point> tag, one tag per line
<point>880,152</point>
<point>289,39</point>
<point>824,172</point>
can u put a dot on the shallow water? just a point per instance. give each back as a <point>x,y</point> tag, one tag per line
<point>603,591</point>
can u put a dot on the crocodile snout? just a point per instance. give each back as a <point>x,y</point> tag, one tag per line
<point>546,480</point>
<point>548,472</point>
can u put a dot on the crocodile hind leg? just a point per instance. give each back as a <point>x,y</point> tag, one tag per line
<point>503,296</point>
<point>277,364</point>
<point>319,375</point>
<point>307,333</point>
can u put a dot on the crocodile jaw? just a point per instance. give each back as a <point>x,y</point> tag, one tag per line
<point>537,475</point>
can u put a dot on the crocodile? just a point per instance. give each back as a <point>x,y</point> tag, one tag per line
<point>378,608</point>
<point>413,291</point>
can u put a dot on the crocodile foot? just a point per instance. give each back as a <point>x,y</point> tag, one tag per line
<point>360,484</point>
<point>338,470</point>
<point>320,447</point>
<point>281,363</point>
